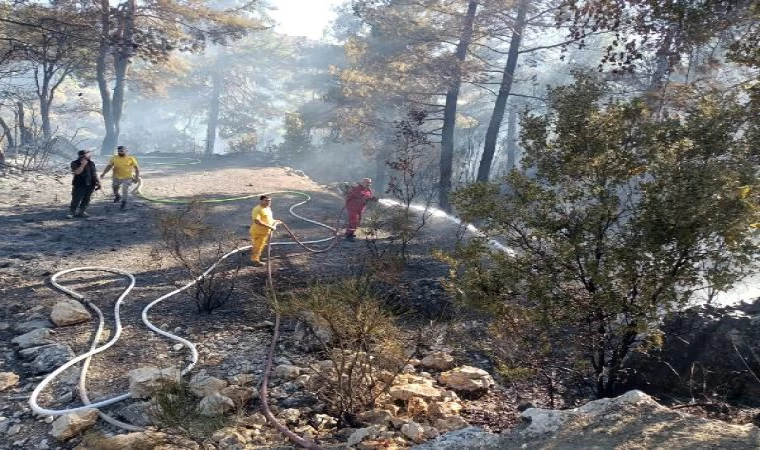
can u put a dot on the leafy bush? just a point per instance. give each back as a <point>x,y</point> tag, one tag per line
<point>359,338</point>
<point>616,219</point>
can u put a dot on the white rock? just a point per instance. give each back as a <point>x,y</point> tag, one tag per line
<point>361,434</point>
<point>544,421</point>
<point>69,425</point>
<point>8,380</point>
<point>69,312</point>
<point>413,431</point>
<point>438,361</point>
<point>323,421</point>
<point>408,368</point>
<point>467,379</point>
<point>406,391</point>
<point>145,381</point>
<point>215,405</point>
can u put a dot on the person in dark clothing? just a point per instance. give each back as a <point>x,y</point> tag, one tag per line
<point>85,182</point>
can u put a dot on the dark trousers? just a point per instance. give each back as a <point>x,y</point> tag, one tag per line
<point>80,197</point>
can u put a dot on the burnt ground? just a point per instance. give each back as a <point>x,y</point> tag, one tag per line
<point>40,241</point>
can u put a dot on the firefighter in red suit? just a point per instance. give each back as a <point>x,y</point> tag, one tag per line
<point>356,200</point>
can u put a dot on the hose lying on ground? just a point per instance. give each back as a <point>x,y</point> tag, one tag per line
<point>264,389</point>
<point>95,349</point>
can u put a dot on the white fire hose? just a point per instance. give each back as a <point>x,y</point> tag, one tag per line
<point>95,349</point>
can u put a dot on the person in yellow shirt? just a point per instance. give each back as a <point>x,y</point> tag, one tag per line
<point>125,172</point>
<point>261,228</point>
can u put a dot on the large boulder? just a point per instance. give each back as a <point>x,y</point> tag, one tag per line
<point>633,420</point>
<point>713,347</point>
<point>69,312</point>
<point>69,425</point>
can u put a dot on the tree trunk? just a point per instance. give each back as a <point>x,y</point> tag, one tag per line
<point>656,90</point>
<point>109,140</point>
<point>615,363</point>
<point>113,105</point>
<point>45,116</point>
<point>501,99</point>
<point>380,171</point>
<point>450,109</point>
<point>44,97</point>
<point>217,80</point>
<point>121,62</point>
<point>511,138</point>
<point>8,134</point>
<point>25,137</point>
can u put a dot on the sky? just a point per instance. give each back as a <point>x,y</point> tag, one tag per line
<point>303,17</point>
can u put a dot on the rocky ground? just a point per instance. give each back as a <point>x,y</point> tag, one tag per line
<point>632,421</point>
<point>447,385</point>
<point>232,340</point>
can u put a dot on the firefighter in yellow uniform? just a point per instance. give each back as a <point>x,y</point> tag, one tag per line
<point>263,224</point>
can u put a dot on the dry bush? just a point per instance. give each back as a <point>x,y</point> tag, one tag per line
<point>188,237</point>
<point>413,187</point>
<point>358,337</point>
<point>175,410</point>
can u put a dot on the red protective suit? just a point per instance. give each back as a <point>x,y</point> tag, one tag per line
<point>356,200</point>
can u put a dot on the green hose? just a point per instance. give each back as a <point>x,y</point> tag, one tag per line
<point>188,161</point>
<point>138,192</point>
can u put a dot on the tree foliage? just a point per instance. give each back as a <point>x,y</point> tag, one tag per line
<point>615,220</point>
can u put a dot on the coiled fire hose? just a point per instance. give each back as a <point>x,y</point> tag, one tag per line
<point>95,349</point>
